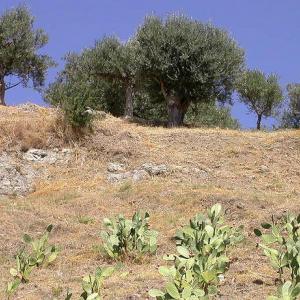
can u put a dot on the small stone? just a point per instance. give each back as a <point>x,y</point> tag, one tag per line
<point>117,177</point>
<point>138,175</point>
<point>154,170</point>
<point>240,206</point>
<point>47,156</point>
<point>66,151</point>
<point>115,167</point>
<point>263,168</point>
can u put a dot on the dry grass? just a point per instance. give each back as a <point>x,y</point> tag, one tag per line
<point>252,174</point>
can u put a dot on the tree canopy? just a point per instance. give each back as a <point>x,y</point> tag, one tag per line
<point>291,115</point>
<point>19,45</point>
<point>167,69</point>
<point>260,92</point>
<point>187,61</point>
<point>114,62</point>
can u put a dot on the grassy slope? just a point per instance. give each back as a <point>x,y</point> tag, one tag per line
<point>252,174</point>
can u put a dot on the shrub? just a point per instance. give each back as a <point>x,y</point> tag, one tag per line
<point>125,237</point>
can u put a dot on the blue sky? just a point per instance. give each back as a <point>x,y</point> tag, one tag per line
<point>268,30</point>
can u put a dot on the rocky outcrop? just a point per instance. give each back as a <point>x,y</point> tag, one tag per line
<point>117,173</point>
<point>17,174</point>
<point>47,156</point>
<point>16,178</point>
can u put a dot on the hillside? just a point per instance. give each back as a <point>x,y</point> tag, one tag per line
<point>252,174</point>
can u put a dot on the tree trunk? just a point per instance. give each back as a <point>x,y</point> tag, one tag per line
<point>129,102</point>
<point>258,123</point>
<point>2,91</point>
<point>176,110</point>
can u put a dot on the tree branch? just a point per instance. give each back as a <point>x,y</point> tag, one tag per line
<point>163,90</point>
<point>7,87</point>
<point>110,76</point>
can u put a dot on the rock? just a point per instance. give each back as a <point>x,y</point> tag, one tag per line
<point>240,206</point>
<point>263,169</point>
<point>117,177</point>
<point>15,178</point>
<point>66,151</point>
<point>47,156</point>
<point>115,167</point>
<point>154,170</point>
<point>39,155</point>
<point>144,172</point>
<point>28,107</point>
<point>138,175</point>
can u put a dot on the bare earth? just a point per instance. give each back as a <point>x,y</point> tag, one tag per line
<point>253,175</point>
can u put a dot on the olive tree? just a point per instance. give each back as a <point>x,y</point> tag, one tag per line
<point>187,62</point>
<point>291,115</point>
<point>75,91</point>
<point>115,62</point>
<point>20,61</point>
<point>261,93</point>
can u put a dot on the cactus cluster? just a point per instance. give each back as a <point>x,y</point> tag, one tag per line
<point>196,268</point>
<point>92,284</point>
<point>125,237</point>
<point>280,242</point>
<point>41,252</point>
<point>200,259</point>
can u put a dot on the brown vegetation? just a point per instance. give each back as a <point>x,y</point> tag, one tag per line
<point>252,174</point>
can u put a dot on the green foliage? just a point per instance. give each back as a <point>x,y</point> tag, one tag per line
<point>191,277</point>
<point>92,284</point>
<point>19,44</point>
<point>291,115</point>
<point>85,220</point>
<point>41,252</point>
<point>126,237</point>
<point>178,61</point>
<point>187,61</point>
<point>72,92</point>
<point>207,235</point>
<point>24,266</point>
<point>281,244</point>
<point>288,291</point>
<point>261,93</point>
<point>210,115</point>
<point>200,259</point>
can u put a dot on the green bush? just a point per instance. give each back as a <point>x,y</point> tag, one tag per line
<point>126,237</point>
<point>211,115</point>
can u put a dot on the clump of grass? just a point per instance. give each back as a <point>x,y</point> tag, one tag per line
<point>85,219</point>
